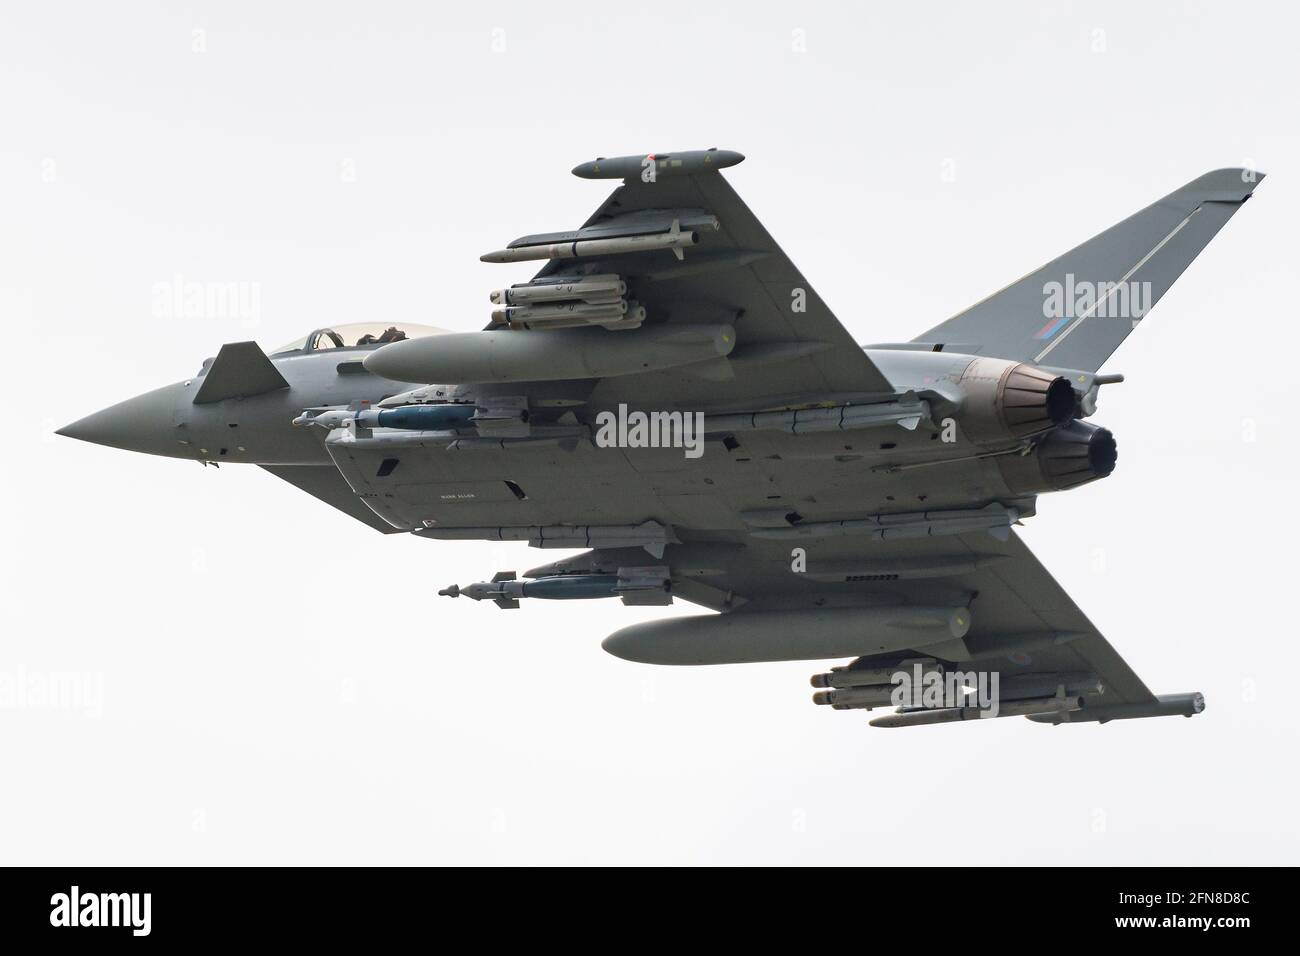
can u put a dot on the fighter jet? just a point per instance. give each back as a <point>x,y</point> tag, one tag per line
<point>669,396</point>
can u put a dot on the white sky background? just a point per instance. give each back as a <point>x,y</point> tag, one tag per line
<point>281,684</point>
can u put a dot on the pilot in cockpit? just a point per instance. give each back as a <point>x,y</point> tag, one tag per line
<point>355,335</point>
<point>390,334</point>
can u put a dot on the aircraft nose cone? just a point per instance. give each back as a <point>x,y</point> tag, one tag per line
<point>144,424</point>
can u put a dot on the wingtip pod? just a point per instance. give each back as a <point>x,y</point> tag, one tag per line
<point>684,163</point>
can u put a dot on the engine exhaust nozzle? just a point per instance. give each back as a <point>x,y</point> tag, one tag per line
<point>1008,400</point>
<point>1067,457</point>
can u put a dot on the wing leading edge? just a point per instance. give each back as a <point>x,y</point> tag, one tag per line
<point>789,345</point>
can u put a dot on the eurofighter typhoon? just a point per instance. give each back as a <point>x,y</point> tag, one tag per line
<point>670,394</point>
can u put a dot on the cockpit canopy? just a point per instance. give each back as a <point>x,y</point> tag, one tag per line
<point>357,335</point>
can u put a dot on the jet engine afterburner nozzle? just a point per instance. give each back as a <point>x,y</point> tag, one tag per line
<point>1067,457</point>
<point>1032,400</point>
<point>1013,400</point>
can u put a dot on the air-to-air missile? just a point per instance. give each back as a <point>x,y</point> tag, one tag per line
<point>996,519</point>
<point>1015,687</point>
<point>908,412</point>
<point>1045,707</point>
<point>650,535</point>
<point>1052,698</point>
<point>513,356</point>
<point>635,586</point>
<point>1165,705</point>
<point>626,235</point>
<point>676,240</point>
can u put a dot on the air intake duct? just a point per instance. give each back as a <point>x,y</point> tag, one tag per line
<point>1066,457</point>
